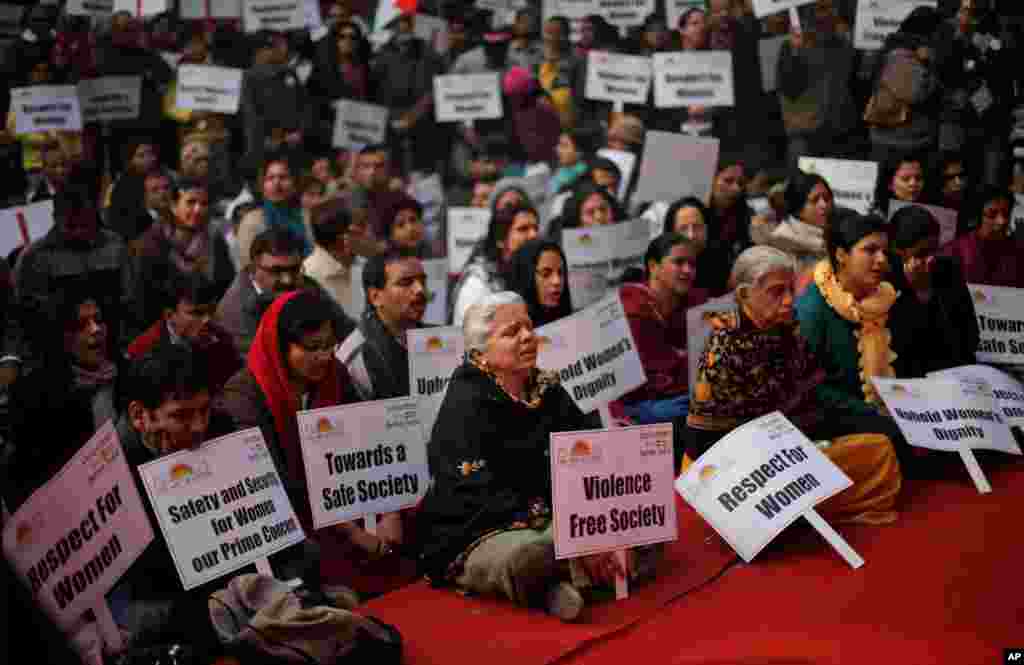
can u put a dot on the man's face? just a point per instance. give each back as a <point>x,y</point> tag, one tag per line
<point>403,300</point>
<point>192,209</point>
<point>278,274</point>
<point>86,339</point>
<point>372,171</point>
<point>177,424</point>
<point>158,192</point>
<point>552,35</point>
<point>192,322</point>
<point>278,184</point>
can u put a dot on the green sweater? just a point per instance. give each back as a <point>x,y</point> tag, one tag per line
<point>831,338</point>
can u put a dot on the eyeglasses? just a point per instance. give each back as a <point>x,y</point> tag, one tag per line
<point>281,271</point>
<point>319,346</point>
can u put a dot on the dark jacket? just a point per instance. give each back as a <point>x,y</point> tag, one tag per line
<point>814,83</point>
<point>378,364</point>
<point>222,356</point>
<point>156,74</point>
<point>272,95</point>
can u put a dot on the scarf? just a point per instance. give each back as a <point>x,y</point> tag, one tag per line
<point>872,313</point>
<point>98,384</point>
<point>288,218</point>
<point>94,378</point>
<point>191,255</point>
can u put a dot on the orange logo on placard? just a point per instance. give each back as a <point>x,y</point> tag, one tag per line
<point>180,471</point>
<point>582,448</point>
<point>23,534</point>
<point>324,426</point>
<point>708,472</point>
<point>435,344</point>
<point>586,239</point>
<point>542,342</point>
<point>899,389</point>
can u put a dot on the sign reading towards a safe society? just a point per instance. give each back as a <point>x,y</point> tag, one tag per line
<point>1000,312</point>
<point>612,489</point>
<point>363,459</point>
<point>757,480</point>
<point>221,507</point>
<point>613,77</point>
<point>71,552</point>
<point>463,97</point>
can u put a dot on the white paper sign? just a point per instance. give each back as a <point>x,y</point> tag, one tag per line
<point>141,8</point>
<point>466,227</point>
<point>946,217</point>
<point>769,50</point>
<point>598,255</point>
<point>674,165</point>
<point>626,161</point>
<point>276,15</point>
<point>612,489</point>
<point>110,98</point>
<point>434,353</point>
<point>209,88</point>
<point>44,108</point>
<point>98,8</point>
<point>22,225</point>
<point>462,97</point>
<point>203,9</point>
<point>1007,391</point>
<point>78,534</point>
<point>698,329</point>
<point>358,124</point>
<point>363,459</point>
<point>877,19</point>
<point>617,78</point>
<point>1017,216</point>
<point>676,8</point>
<point>764,8</point>
<point>624,13</point>
<point>429,192</point>
<point>693,78</point>
<point>852,182</point>
<point>1000,312</point>
<point>221,507</point>
<point>437,291</point>
<point>594,354</point>
<point>757,480</point>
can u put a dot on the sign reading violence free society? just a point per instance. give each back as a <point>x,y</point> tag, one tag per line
<point>612,489</point>
<point>221,507</point>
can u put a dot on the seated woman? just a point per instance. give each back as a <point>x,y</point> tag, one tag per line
<point>989,254</point>
<point>755,363</point>
<point>933,322</point>
<point>537,272</point>
<point>485,525</point>
<point>900,179</point>
<point>689,217</point>
<point>291,367</point>
<point>728,221</point>
<point>404,229</point>
<point>589,205</point>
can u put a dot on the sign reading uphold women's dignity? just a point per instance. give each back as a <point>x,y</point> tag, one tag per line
<point>598,256</point>
<point>1000,312</point>
<point>617,78</point>
<point>209,88</point>
<point>594,354</point>
<point>462,97</point>
<point>70,553</point>
<point>693,78</point>
<point>221,507</point>
<point>363,459</point>
<point>612,489</point>
<point>434,353</point>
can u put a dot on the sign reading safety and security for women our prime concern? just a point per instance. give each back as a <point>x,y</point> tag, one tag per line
<point>462,97</point>
<point>757,480</point>
<point>221,507</point>
<point>1000,312</point>
<point>362,459</point>
<point>612,489</point>
<point>618,78</point>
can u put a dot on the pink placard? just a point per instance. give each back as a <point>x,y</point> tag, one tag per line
<point>612,489</point>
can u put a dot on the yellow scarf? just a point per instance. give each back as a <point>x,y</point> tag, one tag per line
<point>872,313</point>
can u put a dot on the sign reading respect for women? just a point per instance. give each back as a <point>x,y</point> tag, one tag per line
<point>466,97</point>
<point>70,553</point>
<point>612,489</point>
<point>693,78</point>
<point>221,507</point>
<point>1000,312</point>
<point>598,256</point>
<point>434,353</point>
<point>209,88</point>
<point>618,78</point>
<point>44,108</point>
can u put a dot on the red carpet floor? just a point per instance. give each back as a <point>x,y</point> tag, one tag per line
<point>942,585</point>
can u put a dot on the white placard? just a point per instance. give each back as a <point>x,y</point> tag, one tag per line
<point>612,489</point>
<point>209,88</point>
<point>466,227</point>
<point>276,15</point>
<point>598,255</point>
<point>437,291</point>
<point>221,507</point>
<point>877,19</point>
<point>626,161</point>
<point>141,8</point>
<point>593,353</point>
<point>852,182</point>
<point>764,8</point>
<point>946,217</point>
<point>44,108</point>
<point>97,8</point>
<point>206,9</point>
<point>676,8</point>
<point>698,329</point>
<point>358,124</point>
<point>80,532</point>
<point>757,480</point>
<point>623,13</point>
<point>1017,216</point>
<point>363,459</point>
<point>674,165</point>
<point>110,98</point>
<point>618,78</point>
<point>1007,391</point>
<point>464,97</point>
<point>22,225</point>
<point>769,50</point>
<point>693,78</point>
<point>434,353</point>
<point>1000,312</point>
<point>429,192</point>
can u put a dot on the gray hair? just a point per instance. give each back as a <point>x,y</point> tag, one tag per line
<point>755,262</point>
<point>477,323</point>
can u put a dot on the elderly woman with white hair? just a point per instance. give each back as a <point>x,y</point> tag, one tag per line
<point>755,363</point>
<point>485,525</point>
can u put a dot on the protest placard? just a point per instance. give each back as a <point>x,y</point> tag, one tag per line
<point>946,217</point>
<point>110,98</point>
<point>612,489</point>
<point>1000,312</point>
<point>617,78</point>
<point>429,192</point>
<point>466,97</point>
<point>209,88</point>
<point>221,507</point>
<point>434,353</point>
<point>625,13</point>
<point>760,478</point>
<point>877,19</point>
<point>358,124</point>
<point>363,459</point>
<point>852,182</point>
<point>70,553</point>
<point>22,225</point>
<point>764,8</point>
<point>674,165</point>
<point>626,161</point>
<point>593,353</point>
<point>598,255</point>
<point>693,78</point>
<point>277,15</point>
<point>141,8</point>
<point>574,10</point>
<point>207,9</point>
<point>44,108</point>
<point>97,8</point>
<point>437,291</point>
<point>1007,391</point>
<point>698,328</point>
<point>769,50</point>
<point>466,227</point>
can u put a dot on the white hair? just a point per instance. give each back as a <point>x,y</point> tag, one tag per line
<point>755,262</point>
<point>478,322</point>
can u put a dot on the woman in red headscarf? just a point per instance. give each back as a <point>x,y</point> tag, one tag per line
<point>291,367</point>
